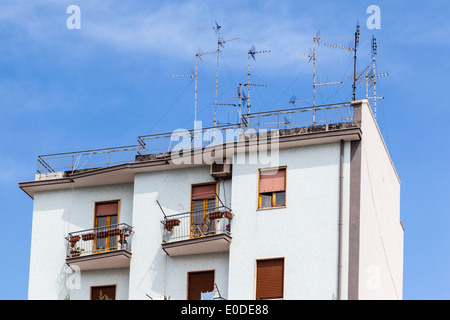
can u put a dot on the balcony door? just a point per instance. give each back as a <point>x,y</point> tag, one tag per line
<point>106,217</point>
<point>203,200</point>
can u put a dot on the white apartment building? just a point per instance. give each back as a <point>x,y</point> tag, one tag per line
<point>310,212</point>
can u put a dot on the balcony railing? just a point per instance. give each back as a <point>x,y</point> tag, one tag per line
<point>99,240</point>
<point>199,231</point>
<point>159,145</point>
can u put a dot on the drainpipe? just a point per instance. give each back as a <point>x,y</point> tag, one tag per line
<point>341,194</point>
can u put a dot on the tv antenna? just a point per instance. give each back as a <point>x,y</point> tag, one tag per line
<point>241,98</point>
<point>198,56</point>
<point>371,78</point>
<point>252,53</point>
<point>354,49</point>
<point>220,43</point>
<point>312,56</point>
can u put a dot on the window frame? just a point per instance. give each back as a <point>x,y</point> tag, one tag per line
<point>198,271</point>
<point>273,194</point>
<point>205,205</point>
<point>102,286</point>
<point>283,280</point>
<point>107,226</point>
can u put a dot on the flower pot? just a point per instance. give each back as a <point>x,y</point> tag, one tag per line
<point>228,215</point>
<point>169,224</point>
<point>74,239</point>
<point>75,254</point>
<point>102,234</point>
<point>114,232</point>
<point>215,215</point>
<point>87,237</point>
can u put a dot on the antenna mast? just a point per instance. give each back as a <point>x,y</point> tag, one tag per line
<point>312,56</point>
<point>220,43</point>
<point>354,49</point>
<point>195,77</point>
<point>374,76</point>
<point>251,53</point>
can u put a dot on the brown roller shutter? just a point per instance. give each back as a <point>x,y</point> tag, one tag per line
<point>103,293</point>
<point>106,209</point>
<point>269,278</point>
<point>199,282</point>
<point>272,181</point>
<point>204,192</point>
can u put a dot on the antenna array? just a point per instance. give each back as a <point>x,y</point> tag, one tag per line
<point>372,78</point>
<point>252,53</point>
<point>312,56</point>
<point>220,43</point>
<point>195,77</point>
<point>354,49</point>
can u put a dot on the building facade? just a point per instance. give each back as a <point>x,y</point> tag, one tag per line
<point>302,212</point>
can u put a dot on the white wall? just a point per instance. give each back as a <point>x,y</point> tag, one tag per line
<point>152,272</point>
<point>55,214</point>
<point>305,233</point>
<point>381,234</point>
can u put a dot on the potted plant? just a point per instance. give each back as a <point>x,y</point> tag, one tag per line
<point>73,240</point>
<point>228,215</point>
<point>114,232</point>
<point>102,234</point>
<point>215,215</point>
<point>75,252</point>
<point>170,223</point>
<point>88,236</point>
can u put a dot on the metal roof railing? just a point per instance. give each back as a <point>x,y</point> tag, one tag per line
<point>165,143</point>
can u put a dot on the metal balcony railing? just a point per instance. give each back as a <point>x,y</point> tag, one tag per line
<point>160,145</point>
<point>99,240</point>
<point>196,224</point>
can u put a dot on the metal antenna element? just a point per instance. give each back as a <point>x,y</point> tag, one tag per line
<point>373,76</point>
<point>220,43</point>
<point>354,49</point>
<point>312,56</point>
<point>251,53</point>
<point>195,77</point>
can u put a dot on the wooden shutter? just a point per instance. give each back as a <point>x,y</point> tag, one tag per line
<point>103,293</point>
<point>199,282</point>
<point>204,192</point>
<point>269,279</point>
<point>272,180</point>
<point>106,209</point>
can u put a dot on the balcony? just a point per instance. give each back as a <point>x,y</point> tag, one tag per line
<point>100,248</point>
<point>196,232</point>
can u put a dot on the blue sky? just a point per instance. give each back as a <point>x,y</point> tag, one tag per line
<point>108,82</point>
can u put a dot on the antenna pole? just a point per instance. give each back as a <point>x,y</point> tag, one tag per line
<point>354,61</point>
<point>248,85</point>
<point>251,53</point>
<point>217,74</point>
<point>374,52</point>
<point>196,77</point>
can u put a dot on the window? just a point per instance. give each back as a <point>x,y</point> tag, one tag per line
<point>203,198</point>
<point>199,282</point>
<point>103,293</point>
<point>269,279</point>
<point>106,215</point>
<point>272,188</point>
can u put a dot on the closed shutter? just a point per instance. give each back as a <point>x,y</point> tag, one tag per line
<point>204,192</point>
<point>106,209</point>
<point>272,181</point>
<point>269,278</point>
<point>199,282</point>
<point>103,293</point>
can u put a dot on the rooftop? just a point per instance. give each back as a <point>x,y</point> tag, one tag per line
<point>293,121</point>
